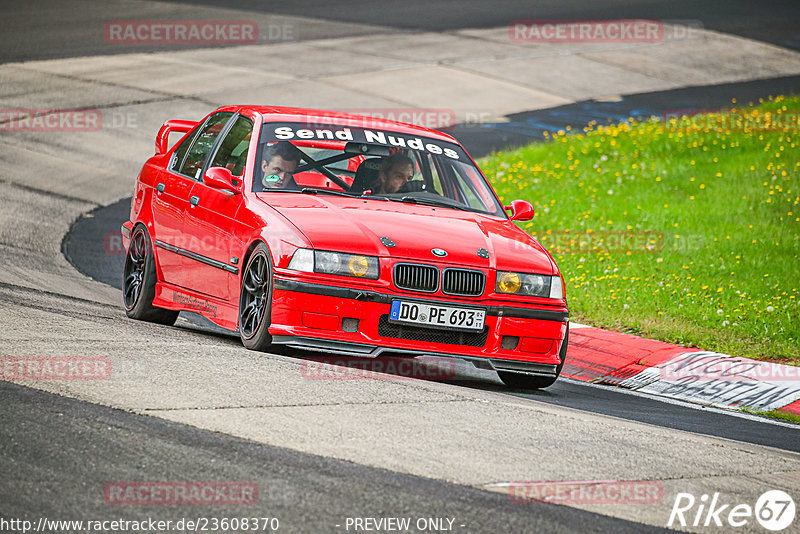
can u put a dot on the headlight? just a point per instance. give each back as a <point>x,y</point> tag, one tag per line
<point>529,285</point>
<point>303,260</point>
<point>556,288</point>
<point>327,262</point>
<point>319,261</point>
<point>508,283</point>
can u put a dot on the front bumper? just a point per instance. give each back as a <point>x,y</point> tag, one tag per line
<point>354,322</point>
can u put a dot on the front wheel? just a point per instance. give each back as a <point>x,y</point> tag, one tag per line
<point>255,300</point>
<point>139,281</point>
<point>524,381</point>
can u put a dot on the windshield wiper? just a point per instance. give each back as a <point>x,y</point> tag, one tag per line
<point>315,191</point>
<point>432,202</point>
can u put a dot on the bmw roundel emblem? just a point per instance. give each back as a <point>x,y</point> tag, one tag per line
<point>439,252</point>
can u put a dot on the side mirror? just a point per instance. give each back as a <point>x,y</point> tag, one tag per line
<point>521,210</point>
<point>221,178</point>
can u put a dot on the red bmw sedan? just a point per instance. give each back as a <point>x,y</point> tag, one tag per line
<point>341,234</point>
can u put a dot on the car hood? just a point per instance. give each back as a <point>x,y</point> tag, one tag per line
<point>357,225</point>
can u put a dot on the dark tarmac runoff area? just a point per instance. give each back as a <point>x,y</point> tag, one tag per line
<point>70,451</point>
<point>62,29</point>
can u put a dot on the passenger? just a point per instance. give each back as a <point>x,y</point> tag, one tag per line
<point>277,165</point>
<point>396,171</point>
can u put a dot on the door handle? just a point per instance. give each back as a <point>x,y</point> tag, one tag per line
<point>194,201</point>
<point>160,188</point>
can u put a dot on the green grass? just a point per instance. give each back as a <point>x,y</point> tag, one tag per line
<point>683,234</point>
<point>775,414</point>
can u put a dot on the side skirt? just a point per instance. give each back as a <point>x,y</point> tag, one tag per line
<point>218,311</point>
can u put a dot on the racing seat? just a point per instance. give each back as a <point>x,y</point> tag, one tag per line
<point>366,175</point>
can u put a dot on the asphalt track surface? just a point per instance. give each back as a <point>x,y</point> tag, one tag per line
<point>65,473</point>
<point>92,248</point>
<point>772,21</point>
<point>45,29</point>
<point>56,453</point>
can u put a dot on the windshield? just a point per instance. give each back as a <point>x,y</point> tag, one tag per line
<point>370,163</point>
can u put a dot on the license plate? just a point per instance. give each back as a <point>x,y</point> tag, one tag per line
<point>436,316</point>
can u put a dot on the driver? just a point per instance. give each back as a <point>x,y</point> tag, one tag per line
<point>396,171</point>
<point>277,165</point>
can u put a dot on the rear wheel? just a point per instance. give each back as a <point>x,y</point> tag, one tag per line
<point>523,381</point>
<point>255,300</point>
<point>139,281</point>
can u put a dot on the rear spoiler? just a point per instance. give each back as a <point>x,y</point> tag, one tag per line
<point>174,125</point>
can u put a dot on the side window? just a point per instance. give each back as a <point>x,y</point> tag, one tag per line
<point>180,152</point>
<point>436,180</point>
<point>463,182</point>
<point>232,152</point>
<point>196,156</point>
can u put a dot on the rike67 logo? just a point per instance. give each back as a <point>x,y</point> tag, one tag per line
<point>774,510</point>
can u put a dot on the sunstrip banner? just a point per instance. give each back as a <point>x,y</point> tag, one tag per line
<point>312,132</point>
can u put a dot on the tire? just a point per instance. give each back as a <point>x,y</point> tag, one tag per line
<point>255,300</point>
<point>139,281</point>
<point>523,381</point>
